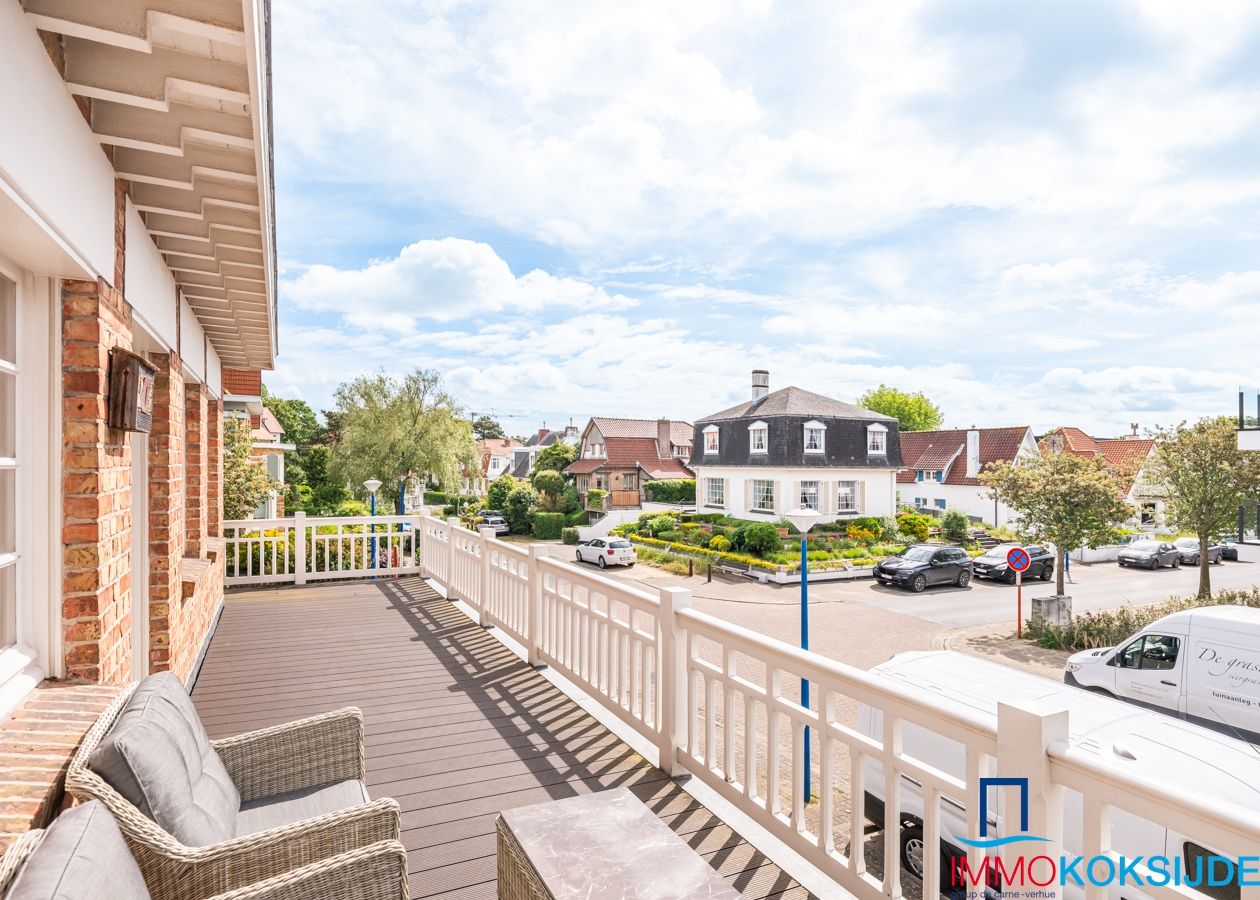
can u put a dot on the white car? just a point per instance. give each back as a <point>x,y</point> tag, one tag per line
<point>604,552</point>
<point>498,523</point>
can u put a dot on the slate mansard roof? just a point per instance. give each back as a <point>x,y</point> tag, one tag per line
<point>792,401</point>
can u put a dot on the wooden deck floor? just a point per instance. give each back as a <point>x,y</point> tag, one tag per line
<point>457,726</point>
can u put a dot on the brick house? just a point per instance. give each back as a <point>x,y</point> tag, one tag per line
<point>942,468</point>
<point>621,455</point>
<point>135,221</point>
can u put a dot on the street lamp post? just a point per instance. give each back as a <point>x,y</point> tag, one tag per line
<point>372,485</point>
<point>804,518</point>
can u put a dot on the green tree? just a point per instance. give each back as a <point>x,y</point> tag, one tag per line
<point>487,428</point>
<point>1205,477</point>
<point>499,491</point>
<point>955,525</point>
<point>550,484</point>
<point>1059,499</point>
<point>387,426</point>
<point>245,479</point>
<point>520,506</point>
<point>555,457</point>
<point>307,482</point>
<point>915,412</point>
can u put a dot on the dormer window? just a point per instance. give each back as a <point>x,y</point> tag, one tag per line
<point>815,437</point>
<point>711,439</point>
<point>876,440</point>
<point>757,437</point>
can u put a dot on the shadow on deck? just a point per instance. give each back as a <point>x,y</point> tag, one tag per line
<point>457,726</point>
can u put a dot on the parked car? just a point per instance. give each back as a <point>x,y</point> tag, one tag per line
<point>921,565</point>
<point>498,523</point>
<point>1229,546</point>
<point>1211,684</point>
<point>1188,547</point>
<point>606,552</point>
<point>992,564</point>
<point>1150,555</point>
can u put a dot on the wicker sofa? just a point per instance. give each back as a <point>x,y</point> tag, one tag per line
<point>82,856</point>
<point>205,817</point>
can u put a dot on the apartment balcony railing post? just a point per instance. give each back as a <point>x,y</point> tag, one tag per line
<point>534,605</point>
<point>1025,732</point>
<point>488,537</point>
<point>672,725</point>
<point>417,537</point>
<point>299,547</point>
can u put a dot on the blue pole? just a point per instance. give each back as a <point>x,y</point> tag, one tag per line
<point>805,646</point>
<point>372,564</point>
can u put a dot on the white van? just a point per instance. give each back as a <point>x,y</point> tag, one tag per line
<point>1202,665</point>
<point>1159,748</point>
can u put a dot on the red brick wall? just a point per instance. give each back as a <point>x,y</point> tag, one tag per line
<point>214,468</point>
<point>166,507</point>
<point>196,448</point>
<point>96,488</point>
<point>201,591</point>
<point>242,382</point>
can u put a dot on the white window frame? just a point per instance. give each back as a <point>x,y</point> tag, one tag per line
<point>815,504</point>
<point>822,437</point>
<point>856,507</point>
<point>36,497</point>
<point>752,500</point>
<point>876,434</point>
<point>709,485</point>
<point>711,443</point>
<point>764,429</point>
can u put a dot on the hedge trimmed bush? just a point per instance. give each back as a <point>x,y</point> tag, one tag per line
<point>719,543</point>
<point>955,526</point>
<point>915,525</point>
<point>436,498</point>
<point>759,538</point>
<point>679,490</point>
<point>569,535</point>
<point>548,525</point>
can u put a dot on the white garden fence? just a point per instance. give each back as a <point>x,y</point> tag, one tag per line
<point>722,703</point>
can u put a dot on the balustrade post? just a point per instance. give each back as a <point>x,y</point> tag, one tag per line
<point>452,526</point>
<point>672,724</point>
<point>417,536</point>
<point>1025,731</point>
<point>299,547</point>
<point>534,605</point>
<point>488,537</point>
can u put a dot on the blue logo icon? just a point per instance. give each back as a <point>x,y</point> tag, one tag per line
<point>985,784</point>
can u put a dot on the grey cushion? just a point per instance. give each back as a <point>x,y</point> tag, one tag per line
<point>82,857</point>
<point>159,758</point>
<point>285,809</point>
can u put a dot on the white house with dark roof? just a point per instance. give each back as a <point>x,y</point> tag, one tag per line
<point>789,448</point>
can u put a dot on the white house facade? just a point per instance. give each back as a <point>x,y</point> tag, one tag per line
<point>942,469</point>
<point>794,448</point>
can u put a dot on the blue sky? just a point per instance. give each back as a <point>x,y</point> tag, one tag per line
<point>1037,214</point>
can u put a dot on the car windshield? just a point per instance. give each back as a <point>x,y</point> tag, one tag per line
<point>1188,543</point>
<point>1001,550</point>
<point>1145,545</point>
<point>918,554</point>
<point>619,545</point>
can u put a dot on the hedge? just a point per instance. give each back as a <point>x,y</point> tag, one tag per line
<point>548,525</point>
<point>743,559</point>
<point>569,535</point>
<point>436,498</point>
<point>672,490</point>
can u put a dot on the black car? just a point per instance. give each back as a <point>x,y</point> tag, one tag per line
<point>1188,547</point>
<point>922,565</point>
<point>1150,555</point>
<point>1229,546</point>
<point>993,564</point>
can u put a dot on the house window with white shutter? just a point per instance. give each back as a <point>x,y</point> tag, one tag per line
<point>847,497</point>
<point>809,495</point>
<point>762,496</point>
<point>715,492</point>
<point>758,437</point>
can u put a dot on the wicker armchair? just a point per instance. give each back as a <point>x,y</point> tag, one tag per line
<point>264,763</point>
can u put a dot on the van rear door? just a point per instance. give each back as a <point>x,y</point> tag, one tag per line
<point>1224,683</point>
<point>1149,670</point>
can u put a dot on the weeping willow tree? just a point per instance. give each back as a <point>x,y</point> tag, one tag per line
<point>387,426</point>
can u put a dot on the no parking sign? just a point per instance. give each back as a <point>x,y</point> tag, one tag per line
<point>1019,561</point>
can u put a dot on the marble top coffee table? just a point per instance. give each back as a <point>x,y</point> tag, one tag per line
<point>601,845</point>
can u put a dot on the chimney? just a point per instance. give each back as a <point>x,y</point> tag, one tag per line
<point>760,384</point>
<point>1133,429</point>
<point>542,433</point>
<point>664,438</point>
<point>973,452</point>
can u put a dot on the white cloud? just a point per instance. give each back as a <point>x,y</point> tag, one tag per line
<point>445,280</point>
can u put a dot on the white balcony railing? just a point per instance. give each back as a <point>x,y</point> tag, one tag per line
<point>722,704</point>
